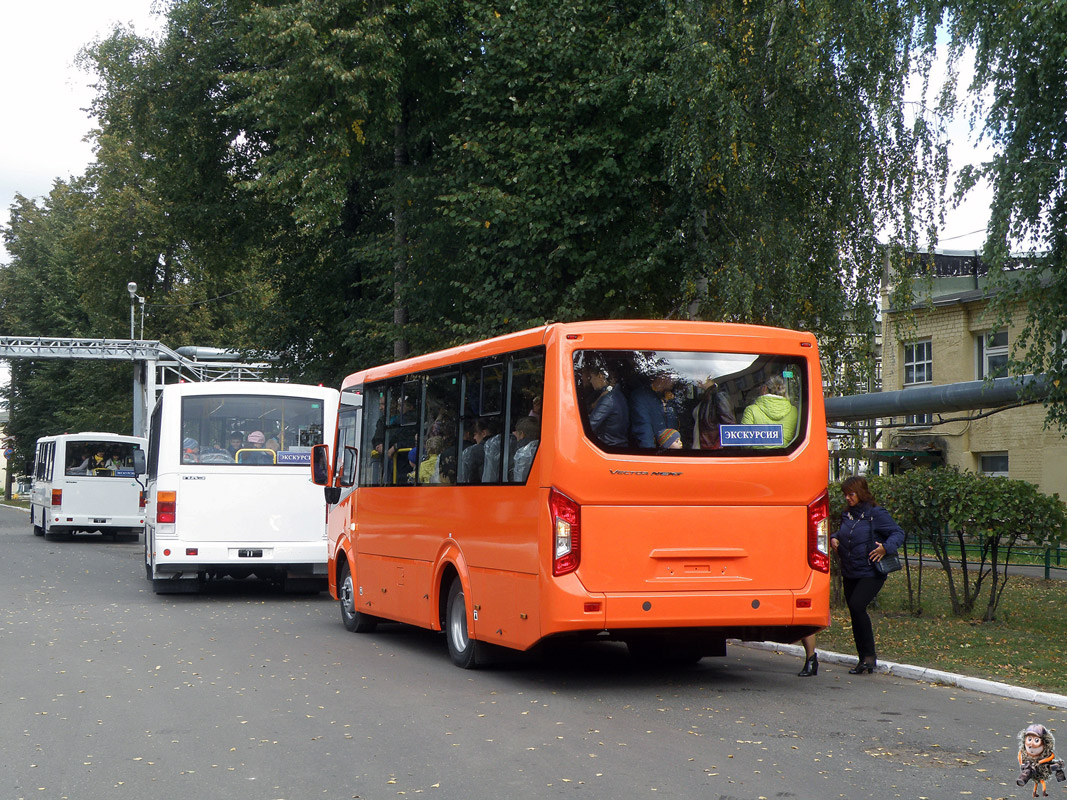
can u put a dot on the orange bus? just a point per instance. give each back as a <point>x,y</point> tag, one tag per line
<point>659,483</point>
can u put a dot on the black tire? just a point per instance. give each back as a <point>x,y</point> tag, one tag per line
<point>463,650</point>
<point>354,621</point>
<point>38,530</point>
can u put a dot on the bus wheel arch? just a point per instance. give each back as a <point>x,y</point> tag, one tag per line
<point>450,566</point>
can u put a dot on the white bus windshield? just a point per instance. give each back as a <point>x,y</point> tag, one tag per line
<point>250,430</point>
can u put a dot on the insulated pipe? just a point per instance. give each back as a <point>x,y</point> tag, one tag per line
<point>934,399</point>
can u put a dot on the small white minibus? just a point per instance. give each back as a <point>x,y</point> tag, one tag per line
<point>86,482</point>
<point>228,485</point>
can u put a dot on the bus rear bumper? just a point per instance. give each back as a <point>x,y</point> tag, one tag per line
<point>774,615</point>
<point>719,610</point>
<point>58,522</point>
<point>262,559</point>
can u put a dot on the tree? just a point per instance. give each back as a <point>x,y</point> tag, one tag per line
<point>554,196</point>
<point>163,205</point>
<point>342,181</point>
<point>981,518</point>
<point>343,106</point>
<point>41,294</point>
<point>792,145</point>
<point>1020,68</point>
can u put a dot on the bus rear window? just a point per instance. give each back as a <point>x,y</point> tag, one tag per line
<point>100,459</point>
<point>250,430</point>
<point>691,403</point>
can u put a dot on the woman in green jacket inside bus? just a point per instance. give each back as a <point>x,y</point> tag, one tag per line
<point>772,407</point>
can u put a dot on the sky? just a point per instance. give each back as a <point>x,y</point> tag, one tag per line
<point>45,94</point>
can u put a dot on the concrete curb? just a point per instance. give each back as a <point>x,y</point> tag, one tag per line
<point>925,674</point>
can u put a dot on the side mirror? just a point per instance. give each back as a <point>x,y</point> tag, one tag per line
<point>349,461</point>
<point>139,464</point>
<point>320,465</point>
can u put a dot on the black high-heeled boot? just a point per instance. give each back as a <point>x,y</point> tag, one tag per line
<point>811,666</point>
<point>863,666</point>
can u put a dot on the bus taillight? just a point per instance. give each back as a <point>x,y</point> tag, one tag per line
<point>166,505</point>
<point>819,533</point>
<point>141,501</point>
<point>57,497</point>
<point>566,533</point>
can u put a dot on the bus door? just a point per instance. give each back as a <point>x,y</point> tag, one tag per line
<point>346,464</point>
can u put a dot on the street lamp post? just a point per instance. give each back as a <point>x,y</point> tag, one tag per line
<point>131,287</point>
<point>138,366</point>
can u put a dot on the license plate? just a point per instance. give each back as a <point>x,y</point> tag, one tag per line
<point>250,554</point>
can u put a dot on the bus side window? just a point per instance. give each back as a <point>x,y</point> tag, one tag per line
<point>154,430</point>
<point>527,396</point>
<point>491,393</point>
<point>437,464</point>
<point>373,446</point>
<point>401,426</point>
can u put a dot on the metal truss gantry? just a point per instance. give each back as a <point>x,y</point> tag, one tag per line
<point>155,365</point>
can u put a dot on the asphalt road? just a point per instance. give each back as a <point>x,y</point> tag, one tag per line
<point>108,691</point>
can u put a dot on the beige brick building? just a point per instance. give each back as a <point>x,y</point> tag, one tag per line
<point>952,337</point>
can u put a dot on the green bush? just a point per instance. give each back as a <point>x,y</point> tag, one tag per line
<point>946,510</point>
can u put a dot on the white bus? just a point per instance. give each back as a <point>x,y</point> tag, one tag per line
<point>86,482</point>
<point>228,487</point>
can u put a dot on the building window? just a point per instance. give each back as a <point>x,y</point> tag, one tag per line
<point>919,370</point>
<point>992,354</point>
<point>994,464</point>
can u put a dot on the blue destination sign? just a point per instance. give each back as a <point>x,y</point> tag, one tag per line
<point>288,457</point>
<point>751,435</point>
<point>124,472</point>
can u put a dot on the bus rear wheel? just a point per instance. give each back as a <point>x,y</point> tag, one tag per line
<point>464,651</point>
<point>354,621</point>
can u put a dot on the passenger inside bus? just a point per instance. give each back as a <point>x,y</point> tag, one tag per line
<point>446,469</point>
<point>190,451</point>
<point>402,443</point>
<point>237,440</point>
<point>428,466</point>
<point>711,411</point>
<point>650,413</point>
<point>773,407</point>
<point>527,437</point>
<point>494,451</point>
<point>254,451</point>
<point>472,460</point>
<point>609,413</point>
<point>669,439</point>
<point>213,454</point>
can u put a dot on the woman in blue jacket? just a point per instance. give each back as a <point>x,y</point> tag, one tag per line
<point>867,534</point>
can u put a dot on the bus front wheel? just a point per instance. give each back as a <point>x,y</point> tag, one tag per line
<point>463,650</point>
<point>355,621</point>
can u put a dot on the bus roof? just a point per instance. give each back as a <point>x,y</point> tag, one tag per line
<point>535,336</point>
<point>80,435</point>
<point>249,387</point>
